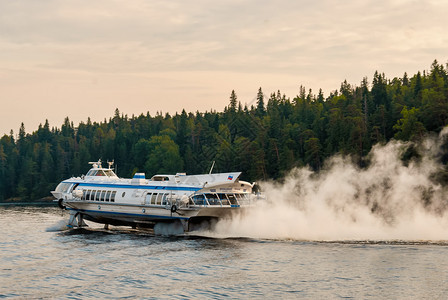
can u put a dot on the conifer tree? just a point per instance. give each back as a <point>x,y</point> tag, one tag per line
<point>260,111</point>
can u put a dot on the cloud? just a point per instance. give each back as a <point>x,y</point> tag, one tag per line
<point>238,35</point>
<point>246,43</point>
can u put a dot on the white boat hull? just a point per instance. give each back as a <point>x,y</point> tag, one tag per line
<point>100,196</point>
<point>144,216</point>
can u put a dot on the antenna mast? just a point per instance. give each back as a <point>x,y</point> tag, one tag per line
<point>211,169</point>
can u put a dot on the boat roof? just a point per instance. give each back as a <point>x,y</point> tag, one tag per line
<point>199,179</point>
<point>97,172</point>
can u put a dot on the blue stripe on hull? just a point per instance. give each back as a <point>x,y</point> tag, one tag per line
<point>129,186</point>
<point>106,213</point>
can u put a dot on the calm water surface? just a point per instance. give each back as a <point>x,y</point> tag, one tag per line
<point>39,261</point>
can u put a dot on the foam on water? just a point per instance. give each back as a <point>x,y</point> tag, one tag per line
<point>168,229</point>
<point>59,226</point>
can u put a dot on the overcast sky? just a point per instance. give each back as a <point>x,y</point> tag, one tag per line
<point>82,58</point>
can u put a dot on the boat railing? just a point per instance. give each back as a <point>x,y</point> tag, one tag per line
<point>219,199</point>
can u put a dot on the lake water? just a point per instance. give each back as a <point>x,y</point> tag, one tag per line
<point>38,260</point>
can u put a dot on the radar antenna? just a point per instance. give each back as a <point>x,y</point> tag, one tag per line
<point>96,164</point>
<point>110,163</point>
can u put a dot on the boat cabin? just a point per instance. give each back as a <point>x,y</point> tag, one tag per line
<point>101,172</point>
<point>98,171</point>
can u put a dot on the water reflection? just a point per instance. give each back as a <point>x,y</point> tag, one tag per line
<point>122,262</point>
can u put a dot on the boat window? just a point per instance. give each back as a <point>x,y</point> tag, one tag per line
<point>109,173</point>
<point>100,173</point>
<point>213,199</point>
<point>148,199</point>
<point>72,188</point>
<point>241,198</point>
<point>153,198</point>
<point>63,187</point>
<point>108,196</point>
<point>122,195</point>
<point>112,197</point>
<point>199,199</point>
<point>224,199</point>
<point>165,199</point>
<point>85,195</point>
<point>90,173</point>
<point>232,198</point>
<point>160,178</point>
<point>159,199</point>
<point>103,196</point>
<point>97,195</point>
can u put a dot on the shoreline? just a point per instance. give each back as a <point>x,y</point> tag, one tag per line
<point>29,203</point>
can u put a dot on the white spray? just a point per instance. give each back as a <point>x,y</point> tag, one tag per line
<point>61,225</point>
<point>388,200</point>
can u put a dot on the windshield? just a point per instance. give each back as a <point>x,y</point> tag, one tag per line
<point>63,187</point>
<point>109,173</point>
<point>106,172</point>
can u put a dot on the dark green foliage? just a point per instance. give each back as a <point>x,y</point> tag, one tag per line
<point>263,141</point>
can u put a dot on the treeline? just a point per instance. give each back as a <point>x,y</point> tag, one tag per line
<point>264,139</point>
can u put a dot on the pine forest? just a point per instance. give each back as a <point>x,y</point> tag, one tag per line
<point>264,139</point>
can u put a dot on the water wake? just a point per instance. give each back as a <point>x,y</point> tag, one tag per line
<point>390,199</point>
<point>168,229</point>
<point>59,226</point>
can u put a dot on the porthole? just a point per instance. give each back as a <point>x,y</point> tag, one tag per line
<point>122,195</point>
<point>99,206</point>
<point>143,210</point>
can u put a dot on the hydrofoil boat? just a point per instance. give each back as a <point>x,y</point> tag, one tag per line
<point>189,200</point>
